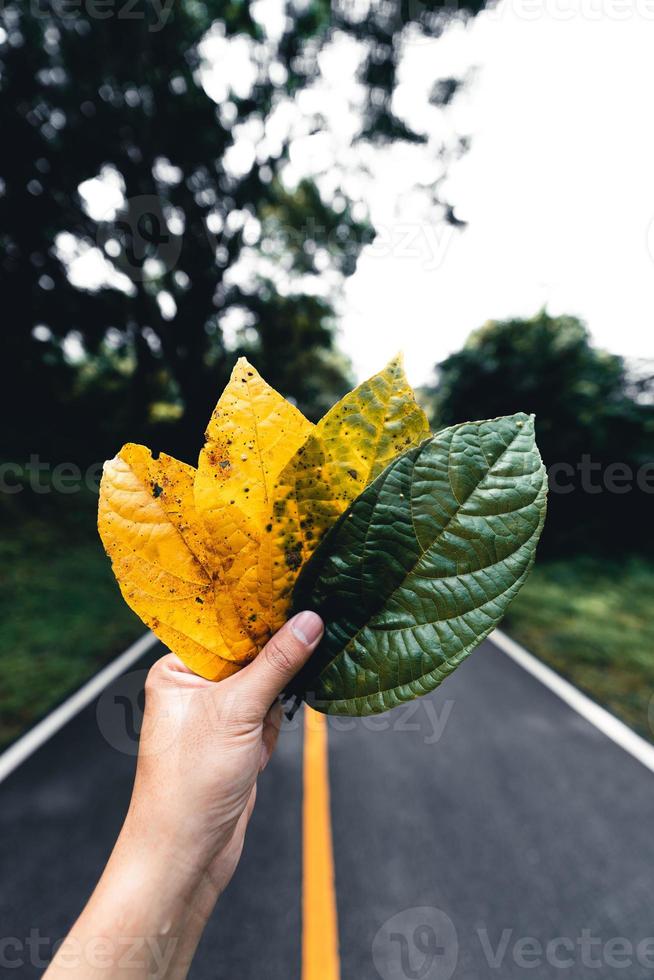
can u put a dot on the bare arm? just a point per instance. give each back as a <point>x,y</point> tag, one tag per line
<point>202,747</point>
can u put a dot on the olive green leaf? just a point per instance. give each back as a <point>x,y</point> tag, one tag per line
<point>422,566</point>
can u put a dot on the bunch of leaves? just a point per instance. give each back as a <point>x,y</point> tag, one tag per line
<point>409,545</point>
<point>208,557</point>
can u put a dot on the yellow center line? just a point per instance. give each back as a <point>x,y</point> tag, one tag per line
<point>320,957</point>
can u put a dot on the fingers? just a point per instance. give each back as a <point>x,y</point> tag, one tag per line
<point>279,661</point>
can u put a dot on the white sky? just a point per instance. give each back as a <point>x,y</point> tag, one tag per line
<point>558,188</point>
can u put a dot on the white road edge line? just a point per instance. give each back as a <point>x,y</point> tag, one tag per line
<point>32,740</point>
<point>602,719</point>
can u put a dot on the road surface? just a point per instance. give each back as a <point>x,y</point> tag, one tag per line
<point>486,831</point>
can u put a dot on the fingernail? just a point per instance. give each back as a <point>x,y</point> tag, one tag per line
<point>307,626</point>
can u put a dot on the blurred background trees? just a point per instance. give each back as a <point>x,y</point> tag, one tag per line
<point>594,418</point>
<point>147,236</point>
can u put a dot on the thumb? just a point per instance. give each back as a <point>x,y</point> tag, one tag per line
<point>279,661</point>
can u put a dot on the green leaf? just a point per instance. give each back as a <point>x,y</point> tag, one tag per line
<point>422,566</point>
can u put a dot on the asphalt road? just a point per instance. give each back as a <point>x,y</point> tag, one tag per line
<point>486,831</point>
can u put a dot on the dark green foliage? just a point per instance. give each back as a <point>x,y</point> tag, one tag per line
<point>422,566</point>
<point>118,86</point>
<point>591,417</point>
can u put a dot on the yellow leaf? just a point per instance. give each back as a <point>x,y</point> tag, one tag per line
<point>251,435</point>
<point>208,557</point>
<point>347,449</point>
<point>148,526</point>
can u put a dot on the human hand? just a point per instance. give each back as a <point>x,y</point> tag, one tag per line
<point>203,746</point>
<point>201,750</point>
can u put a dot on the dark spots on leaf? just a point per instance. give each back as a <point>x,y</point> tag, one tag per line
<point>293,556</point>
<point>224,464</point>
<point>198,599</point>
<point>353,474</point>
<point>156,490</point>
<point>252,618</point>
<point>268,528</point>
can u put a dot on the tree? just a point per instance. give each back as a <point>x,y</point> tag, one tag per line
<point>590,419</point>
<point>205,251</point>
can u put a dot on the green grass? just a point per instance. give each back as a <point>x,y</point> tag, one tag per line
<point>593,622</point>
<point>61,614</point>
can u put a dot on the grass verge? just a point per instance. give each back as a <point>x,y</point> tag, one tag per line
<point>592,621</point>
<point>61,614</point>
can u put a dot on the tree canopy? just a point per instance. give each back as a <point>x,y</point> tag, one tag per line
<point>147,233</point>
<point>594,422</point>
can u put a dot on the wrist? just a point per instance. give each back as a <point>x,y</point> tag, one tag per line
<point>145,917</point>
<point>160,863</point>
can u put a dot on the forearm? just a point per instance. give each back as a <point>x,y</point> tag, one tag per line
<point>144,919</point>
<point>195,788</point>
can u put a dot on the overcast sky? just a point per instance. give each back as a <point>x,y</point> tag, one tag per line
<point>557,188</point>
